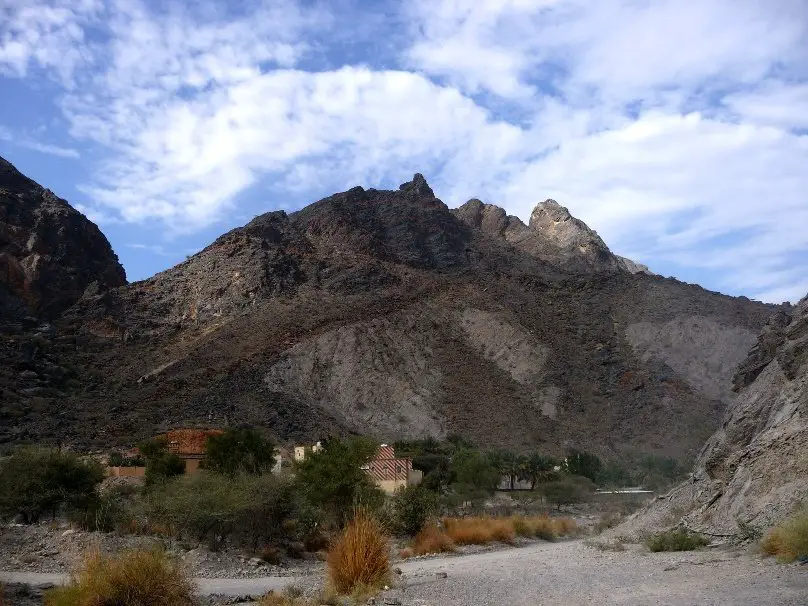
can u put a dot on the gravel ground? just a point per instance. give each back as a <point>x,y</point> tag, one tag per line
<point>565,573</point>
<point>570,573</point>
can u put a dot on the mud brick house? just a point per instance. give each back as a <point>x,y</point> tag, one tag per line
<point>189,445</point>
<point>391,473</point>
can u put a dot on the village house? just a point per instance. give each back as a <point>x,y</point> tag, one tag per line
<point>189,445</point>
<point>391,473</point>
<point>386,470</point>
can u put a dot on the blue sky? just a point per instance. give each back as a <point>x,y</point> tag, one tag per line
<point>678,129</point>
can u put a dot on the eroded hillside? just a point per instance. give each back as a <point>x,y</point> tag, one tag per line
<point>385,312</point>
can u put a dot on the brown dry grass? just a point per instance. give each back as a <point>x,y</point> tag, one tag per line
<point>359,558</point>
<point>131,578</point>
<point>481,531</point>
<point>431,539</point>
<point>789,539</point>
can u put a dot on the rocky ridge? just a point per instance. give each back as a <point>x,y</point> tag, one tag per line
<point>385,312</point>
<point>753,471</point>
<point>50,254</point>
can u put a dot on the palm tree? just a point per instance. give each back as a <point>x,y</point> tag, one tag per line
<point>538,468</point>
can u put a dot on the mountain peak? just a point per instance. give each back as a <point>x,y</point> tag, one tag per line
<point>418,186</point>
<point>49,252</point>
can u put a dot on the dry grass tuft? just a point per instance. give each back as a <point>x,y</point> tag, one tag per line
<point>431,539</point>
<point>788,540</point>
<point>131,578</point>
<point>359,558</point>
<point>481,531</point>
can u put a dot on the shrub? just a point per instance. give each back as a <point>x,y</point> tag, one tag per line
<point>249,509</point>
<point>474,475</point>
<point>34,481</point>
<point>569,490</point>
<point>334,481</point>
<point>160,463</point>
<point>239,451</point>
<point>479,531</point>
<point>134,578</point>
<point>788,540</point>
<point>431,539</point>
<point>675,540</point>
<point>359,558</point>
<point>413,506</point>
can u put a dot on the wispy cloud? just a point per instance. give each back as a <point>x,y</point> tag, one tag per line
<point>679,132</point>
<point>45,148</point>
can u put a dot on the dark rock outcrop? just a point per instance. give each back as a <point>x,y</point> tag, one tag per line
<point>49,252</point>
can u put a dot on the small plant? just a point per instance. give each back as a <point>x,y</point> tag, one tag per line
<point>678,539</point>
<point>271,555</point>
<point>613,545</point>
<point>789,539</point>
<point>431,539</point>
<point>359,558</point>
<point>134,578</point>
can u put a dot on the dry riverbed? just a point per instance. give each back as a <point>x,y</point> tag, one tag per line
<point>565,573</point>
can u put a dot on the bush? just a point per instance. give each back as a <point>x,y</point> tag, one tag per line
<point>413,506</point>
<point>35,481</point>
<point>359,558</point>
<point>675,540</point>
<point>334,481</point>
<point>160,463</point>
<point>239,451</point>
<point>569,490</point>
<point>431,539</point>
<point>247,509</point>
<point>788,540</point>
<point>134,578</point>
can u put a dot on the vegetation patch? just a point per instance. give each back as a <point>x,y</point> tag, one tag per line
<point>431,539</point>
<point>359,558</point>
<point>675,540</point>
<point>133,578</point>
<point>788,540</point>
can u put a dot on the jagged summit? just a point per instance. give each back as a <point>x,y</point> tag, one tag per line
<point>49,252</point>
<point>553,235</point>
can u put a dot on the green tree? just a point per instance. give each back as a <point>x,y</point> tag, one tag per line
<point>34,481</point>
<point>538,469</point>
<point>579,463</point>
<point>239,451</point>
<point>437,470</point>
<point>160,463</point>
<point>413,506</point>
<point>568,490</point>
<point>475,477</point>
<point>245,509</point>
<point>333,479</point>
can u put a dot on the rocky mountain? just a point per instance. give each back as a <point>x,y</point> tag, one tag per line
<point>753,471</point>
<point>385,312</point>
<point>49,252</point>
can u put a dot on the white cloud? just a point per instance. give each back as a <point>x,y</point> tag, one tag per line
<point>47,34</point>
<point>44,148</point>
<point>674,128</point>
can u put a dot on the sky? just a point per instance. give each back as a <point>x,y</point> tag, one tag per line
<point>678,129</point>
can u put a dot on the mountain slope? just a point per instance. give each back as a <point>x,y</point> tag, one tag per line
<point>49,252</point>
<point>754,469</point>
<point>385,312</point>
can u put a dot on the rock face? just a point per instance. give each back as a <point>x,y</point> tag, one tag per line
<point>49,252</point>
<point>553,235</point>
<point>387,313</point>
<point>754,469</point>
